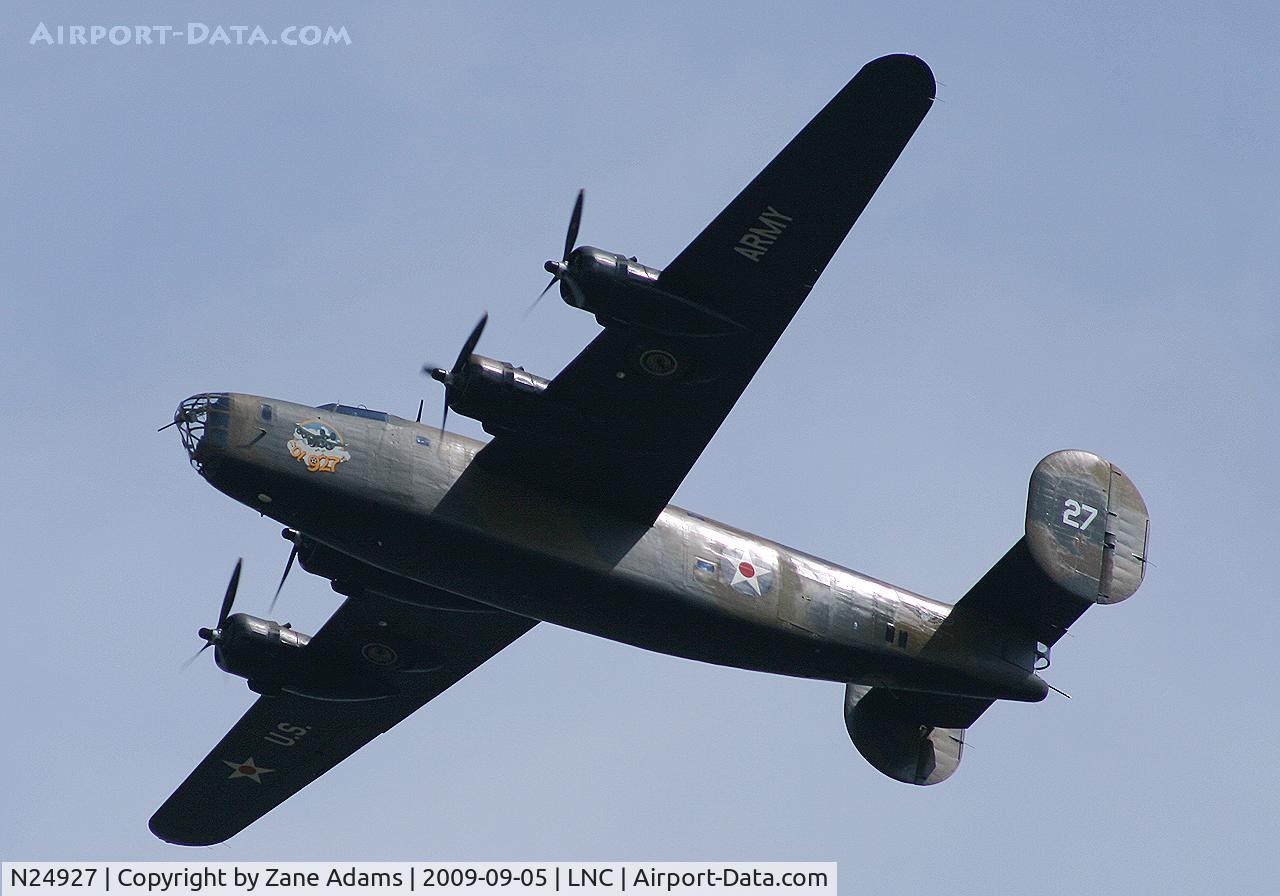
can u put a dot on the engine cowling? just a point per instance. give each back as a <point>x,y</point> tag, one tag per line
<point>892,733</point>
<point>272,658</point>
<point>258,649</point>
<point>621,291</point>
<point>498,394</point>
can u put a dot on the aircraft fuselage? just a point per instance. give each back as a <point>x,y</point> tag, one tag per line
<point>408,500</point>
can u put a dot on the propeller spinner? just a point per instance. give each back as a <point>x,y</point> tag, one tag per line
<point>559,270</point>
<point>449,378</point>
<point>211,636</point>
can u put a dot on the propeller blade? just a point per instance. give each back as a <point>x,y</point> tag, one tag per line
<point>571,238</point>
<point>559,270</point>
<point>547,289</point>
<point>293,555</point>
<point>469,346</point>
<point>195,656</point>
<point>231,593</point>
<point>449,377</point>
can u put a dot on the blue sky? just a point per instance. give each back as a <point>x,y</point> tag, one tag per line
<point>1078,249</point>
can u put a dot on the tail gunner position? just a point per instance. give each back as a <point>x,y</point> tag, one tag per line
<point>448,549</point>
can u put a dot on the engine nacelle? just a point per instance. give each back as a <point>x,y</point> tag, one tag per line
<point>271,657</point>
<point>893,736</point>
<point>498,394</point>
<point>258,649</point>
<point>620,290</point>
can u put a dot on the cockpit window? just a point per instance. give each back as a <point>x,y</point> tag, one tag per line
<point>350,411</point>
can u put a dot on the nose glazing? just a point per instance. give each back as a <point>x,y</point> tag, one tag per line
<point>202,422</point>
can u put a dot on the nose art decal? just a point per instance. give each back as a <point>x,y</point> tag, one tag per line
<point>319,446</point>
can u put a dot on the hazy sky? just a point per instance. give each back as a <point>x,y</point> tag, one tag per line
<point>1077,249</point>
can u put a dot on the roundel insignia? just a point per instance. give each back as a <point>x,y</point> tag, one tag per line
<point>379,654</point>
<point>658,362</point>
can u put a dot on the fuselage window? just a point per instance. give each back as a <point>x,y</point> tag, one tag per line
<point>902,639</point>
<point>888,632</point>
<point>265,413</point>
<point>704,566</point>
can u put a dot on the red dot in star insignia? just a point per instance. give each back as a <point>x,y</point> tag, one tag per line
<point>748,571</point>
<point>247,770</point>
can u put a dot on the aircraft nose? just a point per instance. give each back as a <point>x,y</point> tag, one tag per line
<point>203,421</point>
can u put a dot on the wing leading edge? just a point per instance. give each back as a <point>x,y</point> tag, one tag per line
<point>286,741</point>
<point>633,412</point>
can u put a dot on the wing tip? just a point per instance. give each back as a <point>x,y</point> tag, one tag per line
<point>906,70</point>
<point>174,831</point>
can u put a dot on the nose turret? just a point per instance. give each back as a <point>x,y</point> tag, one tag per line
<point>203,421</point>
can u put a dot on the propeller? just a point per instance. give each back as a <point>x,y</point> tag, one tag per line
<point>449,377</point>
<point>559,270</point>
<point>213,635</point>
<point>291,535</point>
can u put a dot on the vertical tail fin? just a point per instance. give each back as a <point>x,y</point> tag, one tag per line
<point>1087,526</point>
<point>1085,543</point>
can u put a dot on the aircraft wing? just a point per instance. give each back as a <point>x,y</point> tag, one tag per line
<point>285,742</point>
<point>635,409</point>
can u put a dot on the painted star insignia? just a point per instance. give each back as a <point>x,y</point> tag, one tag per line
<point>246,769</point>
<point>746,577</point>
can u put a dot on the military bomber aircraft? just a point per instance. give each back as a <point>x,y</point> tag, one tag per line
<point>448,549</point>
